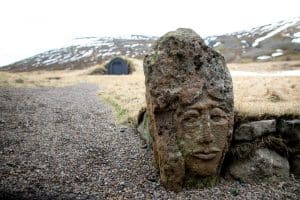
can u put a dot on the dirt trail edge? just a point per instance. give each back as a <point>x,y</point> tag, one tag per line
<point>64,143</point>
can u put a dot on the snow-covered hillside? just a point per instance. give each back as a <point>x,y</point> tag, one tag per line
<point>280,40</point>
<point>268,42</point>
<point>83,52</point>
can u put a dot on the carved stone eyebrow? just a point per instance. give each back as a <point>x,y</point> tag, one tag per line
<point>203,105</point>
<point>218,110</point>
<point>191,112</point>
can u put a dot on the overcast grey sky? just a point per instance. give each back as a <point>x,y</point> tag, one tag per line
<point>32,26</point>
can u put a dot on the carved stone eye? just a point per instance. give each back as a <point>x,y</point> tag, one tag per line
<point>217,115</point>
<point>216,118</point>
<point>190,118</point>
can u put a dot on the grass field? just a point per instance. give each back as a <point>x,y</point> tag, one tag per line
<point>266,66</point>
<point>254,96</point>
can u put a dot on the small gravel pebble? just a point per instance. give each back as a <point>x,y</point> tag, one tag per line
<point>63,143</point>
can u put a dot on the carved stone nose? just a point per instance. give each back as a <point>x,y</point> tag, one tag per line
<point>205,135</point>
<point>205,138</point>
<point>208,137</point>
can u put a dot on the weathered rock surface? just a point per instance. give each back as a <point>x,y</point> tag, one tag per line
<point>282,141</point>
<point>280,136</point>
<point>295,166</point>
<point>190,106</point>
<point>264,165</point>
<point>290,130</point>
<point>252,130</point>
<point>142,128</point>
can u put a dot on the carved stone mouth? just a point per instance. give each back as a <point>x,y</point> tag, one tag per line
<point>203,156</point>
<point>206,154</point>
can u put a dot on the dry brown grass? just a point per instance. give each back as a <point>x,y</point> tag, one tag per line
<point>258,96</point>
<point>254,96</point>
<point>265,66</point>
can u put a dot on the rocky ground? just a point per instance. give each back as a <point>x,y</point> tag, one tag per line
<point>63,143</point>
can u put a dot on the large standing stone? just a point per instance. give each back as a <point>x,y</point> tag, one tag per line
<point>190,106</point>
<point>264,165</point>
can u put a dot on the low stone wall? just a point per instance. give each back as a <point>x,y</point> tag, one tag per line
<point>262,150</point>
<point>265,150</point>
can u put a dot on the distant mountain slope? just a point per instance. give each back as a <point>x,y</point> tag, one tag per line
<point>280,40</point>
<point>272,41</point>
<point>85,52</point>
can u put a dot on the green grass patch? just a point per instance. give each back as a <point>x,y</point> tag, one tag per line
<point>121,114</point>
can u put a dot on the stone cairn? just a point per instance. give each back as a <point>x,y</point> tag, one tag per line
<point>190,108</point>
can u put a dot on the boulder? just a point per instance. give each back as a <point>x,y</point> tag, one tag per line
<point>190,107</point>
<point>264,165</point>
<point>252,130</point>
<point>295,166</point>
<point>143,129</point>
<point>290,130</point>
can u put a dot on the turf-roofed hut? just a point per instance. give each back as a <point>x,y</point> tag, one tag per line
<point>118,66</point>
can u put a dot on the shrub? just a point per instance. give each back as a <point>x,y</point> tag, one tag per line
<point>19,80</point>
<point>98,70</point>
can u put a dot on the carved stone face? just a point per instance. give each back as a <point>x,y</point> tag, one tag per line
<point>202,135</point>
<point>190,106</point>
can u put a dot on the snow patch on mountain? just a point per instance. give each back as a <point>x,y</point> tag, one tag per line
<point>296,40</point>
<point>264,57</point>
<point>297,34</point>
<point>210,39</point>
<point>276,54</point>
<point>217,44</point>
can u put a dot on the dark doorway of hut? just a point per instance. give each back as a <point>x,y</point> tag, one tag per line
<point>118,66</point>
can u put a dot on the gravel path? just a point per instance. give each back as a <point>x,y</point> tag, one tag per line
<point>63,143</point>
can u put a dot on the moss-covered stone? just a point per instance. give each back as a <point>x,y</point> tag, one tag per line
<point>143,128</point>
